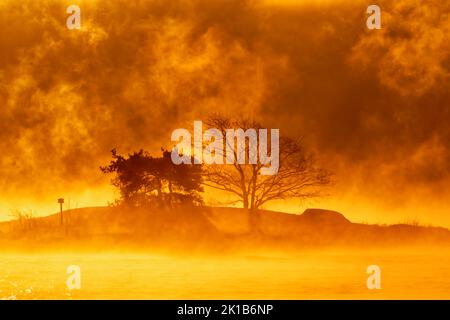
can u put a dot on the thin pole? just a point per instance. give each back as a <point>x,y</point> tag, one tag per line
<point>61,211</point>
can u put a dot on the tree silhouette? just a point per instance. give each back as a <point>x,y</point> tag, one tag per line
<point>143,179</point>
<point>297,176</point>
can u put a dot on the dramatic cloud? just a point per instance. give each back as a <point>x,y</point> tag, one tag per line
<point>372,104</point>
<point>411,52</point>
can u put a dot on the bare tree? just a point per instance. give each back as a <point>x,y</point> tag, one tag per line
<point>297,176</point>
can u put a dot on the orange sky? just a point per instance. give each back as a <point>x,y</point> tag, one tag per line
<point>372,105</point>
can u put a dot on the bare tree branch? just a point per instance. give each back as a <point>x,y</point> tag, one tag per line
<point>297,176</point>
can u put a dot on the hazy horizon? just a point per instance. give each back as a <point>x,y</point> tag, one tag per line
<point>166,115</point>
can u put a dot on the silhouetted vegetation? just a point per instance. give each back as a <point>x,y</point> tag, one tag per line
<point>298,176</point>
<point>24,220</point>
<point>143,180</point>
